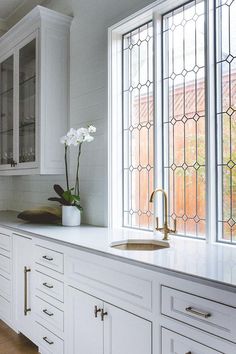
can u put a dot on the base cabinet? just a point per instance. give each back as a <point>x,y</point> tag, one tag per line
<point>96,327</point>
<point>69,301</point>
<point>23,286</point>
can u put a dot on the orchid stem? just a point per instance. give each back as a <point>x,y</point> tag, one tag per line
<point>66,167</point>
<point>77,171</point>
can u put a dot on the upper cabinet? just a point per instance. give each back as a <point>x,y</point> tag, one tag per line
<point>34,93</point>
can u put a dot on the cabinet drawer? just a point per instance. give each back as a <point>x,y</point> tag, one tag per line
<point>5,309</point>
<point>5,287</point>
<point>50,259</point>
<point>110,278</point>
<point>49,314</point>
<point>5,242</point>
<point>4,264</point>
<point>49,341</point>
<point>173,343</point>
<point>199,312</point>
<point>49,286</point>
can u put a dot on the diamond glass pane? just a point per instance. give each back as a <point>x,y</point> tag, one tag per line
<point>138,126</point>
<point>226,118</point>
<point>184,117</point>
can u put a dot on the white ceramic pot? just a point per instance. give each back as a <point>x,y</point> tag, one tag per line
<point>71,216</point>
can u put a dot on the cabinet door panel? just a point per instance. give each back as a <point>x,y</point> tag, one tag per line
<point>27,102</point>
<point>84,330</point>
<point>22,283</point>
<point>126,333</point>
<point>6,111</point>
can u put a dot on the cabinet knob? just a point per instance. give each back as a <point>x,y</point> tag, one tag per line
<point>103,314</point>
<point>96,310</point>
<point>13,163</point>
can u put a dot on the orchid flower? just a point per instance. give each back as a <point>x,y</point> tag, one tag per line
<point>76,138</point>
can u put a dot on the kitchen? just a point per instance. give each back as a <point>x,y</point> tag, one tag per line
<point>117,177</point>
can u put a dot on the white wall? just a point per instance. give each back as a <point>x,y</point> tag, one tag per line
<point>88,104</point>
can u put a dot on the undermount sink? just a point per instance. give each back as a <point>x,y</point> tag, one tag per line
<point>140,245</point>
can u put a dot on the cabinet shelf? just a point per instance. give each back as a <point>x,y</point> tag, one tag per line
<point>6,92</point>
<point>22,126</point>
<point>27,80</point>
<point>25,125</point>
<point>6,131</point>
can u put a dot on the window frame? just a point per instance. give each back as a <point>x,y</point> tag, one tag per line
<point>155,12</point>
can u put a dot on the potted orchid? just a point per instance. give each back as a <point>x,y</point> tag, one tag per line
<point>70,198</point>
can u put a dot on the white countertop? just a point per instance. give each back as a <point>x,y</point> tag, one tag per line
<point>215,262</point>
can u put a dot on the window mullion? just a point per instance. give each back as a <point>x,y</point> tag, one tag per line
<point>158,109</point>
<point>211,189</point>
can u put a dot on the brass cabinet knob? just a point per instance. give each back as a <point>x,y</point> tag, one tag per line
<point>96,310</point>
<point>103,314</point>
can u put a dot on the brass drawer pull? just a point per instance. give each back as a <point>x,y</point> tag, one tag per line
<point>103,314</point>
<point>48,258</point>
<point>48,340</point>
<point>48,285</point>
<point>96,310</point>
<point>197,312</point>
<point>26,308</point>
<point>48,313</point>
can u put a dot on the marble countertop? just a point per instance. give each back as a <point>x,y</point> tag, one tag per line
<point>214,262</point>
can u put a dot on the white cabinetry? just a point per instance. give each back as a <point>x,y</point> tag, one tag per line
<point>49,297</point>
<point>100,328</point>
<point>23,285</point>
<point>34,74</point>
<point>72,301</point>
<point>5,275</point>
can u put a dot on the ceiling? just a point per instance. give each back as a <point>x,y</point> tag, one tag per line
<point>7,7</point>
<point>11,11</point>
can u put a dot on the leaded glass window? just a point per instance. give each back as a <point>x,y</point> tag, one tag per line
<point>138,126</point>
<point>226,118</point>
<point>184,116</point>
<point>195,118</point>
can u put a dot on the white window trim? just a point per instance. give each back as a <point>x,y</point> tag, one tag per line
<point>115,32</point>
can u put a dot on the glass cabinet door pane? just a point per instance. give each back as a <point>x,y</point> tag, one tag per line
<point>27,79</point>
<point>6,111</point>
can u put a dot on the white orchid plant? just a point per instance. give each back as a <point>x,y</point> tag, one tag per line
<point>76,138</point>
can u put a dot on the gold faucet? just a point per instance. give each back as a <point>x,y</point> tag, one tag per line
<point>165,229</point>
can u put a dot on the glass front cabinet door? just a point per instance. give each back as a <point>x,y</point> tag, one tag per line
<point>34,94</point>
<point>27,104</point>
<point>6,109</point>
<point>18,107</point>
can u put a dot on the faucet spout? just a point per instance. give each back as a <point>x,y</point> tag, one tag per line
<point>165,229</point>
